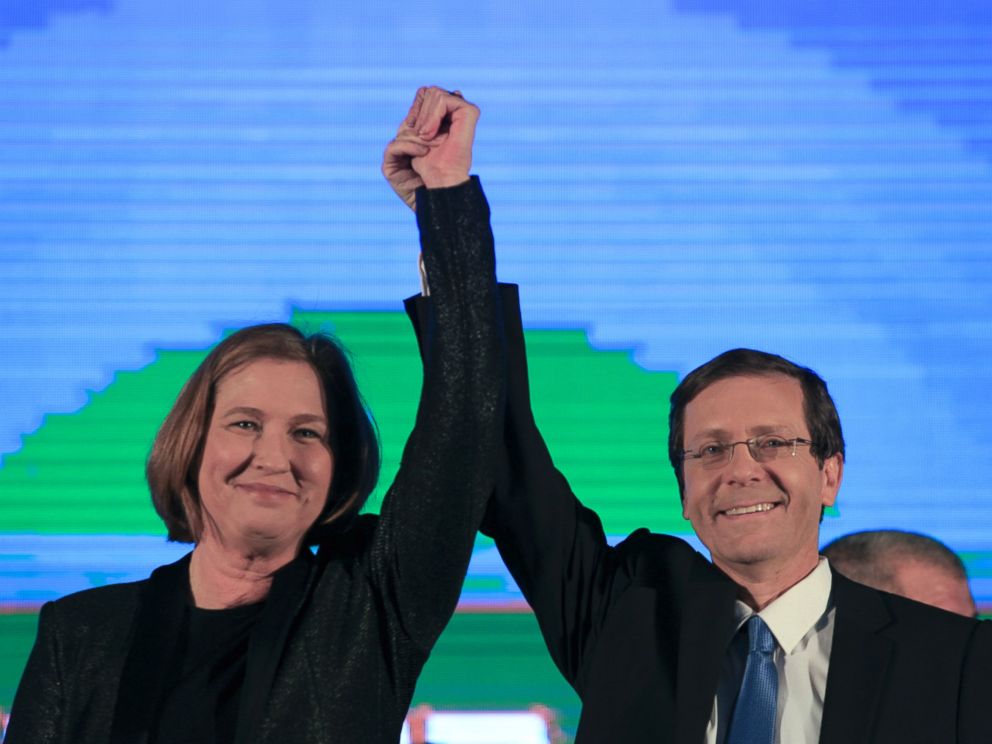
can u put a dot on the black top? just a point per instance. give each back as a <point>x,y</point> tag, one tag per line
<point>203,691</point>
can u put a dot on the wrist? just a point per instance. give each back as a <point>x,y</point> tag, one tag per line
<point>441,180</point>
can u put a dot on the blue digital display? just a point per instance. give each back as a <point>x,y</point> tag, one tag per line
<point>672,178</point>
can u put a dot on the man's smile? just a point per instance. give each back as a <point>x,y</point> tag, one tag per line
<point>759,508</point>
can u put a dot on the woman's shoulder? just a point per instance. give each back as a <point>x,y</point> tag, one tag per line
<point>91,619</point>
<point>98,604</point>
<point>349,543</point>
<point>112,602</point>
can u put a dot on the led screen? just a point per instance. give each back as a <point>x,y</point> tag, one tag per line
<point>668,180</point>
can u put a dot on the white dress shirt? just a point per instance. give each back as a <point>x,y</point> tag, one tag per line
<point>802,621</point>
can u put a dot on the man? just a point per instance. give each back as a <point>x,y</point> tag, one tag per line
<point>659,642</point>
<point>766,643</point>
<point>905,563</point>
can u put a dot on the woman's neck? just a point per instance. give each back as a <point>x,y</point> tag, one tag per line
<point>225,576</point>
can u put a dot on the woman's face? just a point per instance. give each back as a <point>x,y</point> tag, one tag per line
<point>266,466</point>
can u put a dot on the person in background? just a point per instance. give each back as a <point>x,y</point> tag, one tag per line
<point>269,450</point>
<point>905,563</point>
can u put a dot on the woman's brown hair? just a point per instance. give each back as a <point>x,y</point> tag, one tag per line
<point>174,463</point>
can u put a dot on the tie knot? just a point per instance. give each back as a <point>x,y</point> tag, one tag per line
<point>759,636</point>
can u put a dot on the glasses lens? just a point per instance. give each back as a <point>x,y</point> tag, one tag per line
<point>714,455</point>
<point>767,448</point>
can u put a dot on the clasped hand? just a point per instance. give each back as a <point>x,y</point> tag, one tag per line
<point>433,145</point>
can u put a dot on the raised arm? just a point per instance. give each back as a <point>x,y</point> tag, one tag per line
<point>432,510</point>
<point>553,545</point>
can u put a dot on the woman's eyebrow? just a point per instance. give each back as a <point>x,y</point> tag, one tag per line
<point>309,418</point>
<point>246,410</point>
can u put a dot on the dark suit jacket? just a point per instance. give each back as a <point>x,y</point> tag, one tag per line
<point>344,634</point>
<point>640,629</point>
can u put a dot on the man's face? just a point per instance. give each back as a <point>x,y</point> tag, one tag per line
<point>756,516</point>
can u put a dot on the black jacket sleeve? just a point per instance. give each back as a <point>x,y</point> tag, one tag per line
<point>432,511</point>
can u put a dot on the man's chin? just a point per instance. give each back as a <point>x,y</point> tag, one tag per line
<point>743,556</point>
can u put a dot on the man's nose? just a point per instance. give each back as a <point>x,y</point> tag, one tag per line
<point>742,465</point>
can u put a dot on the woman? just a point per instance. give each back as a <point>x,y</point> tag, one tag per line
<point>252,637</point>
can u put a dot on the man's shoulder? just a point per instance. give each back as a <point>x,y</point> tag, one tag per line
<point>643,539</point>
<point>649,554</point>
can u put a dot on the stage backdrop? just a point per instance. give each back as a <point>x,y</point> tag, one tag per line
<point>668,180</point>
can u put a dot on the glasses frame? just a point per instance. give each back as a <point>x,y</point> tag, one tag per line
<point>728,449</point>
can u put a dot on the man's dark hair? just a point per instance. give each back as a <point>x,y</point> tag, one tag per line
<point>821,413</point>
<point>872,557</point>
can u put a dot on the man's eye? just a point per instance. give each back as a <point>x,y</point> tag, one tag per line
<point>711,450</point>
<point>772,443</point>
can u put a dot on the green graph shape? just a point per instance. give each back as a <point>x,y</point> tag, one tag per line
<point>604,417</point>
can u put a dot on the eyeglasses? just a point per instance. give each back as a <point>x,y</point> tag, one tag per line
<point>765,448</point>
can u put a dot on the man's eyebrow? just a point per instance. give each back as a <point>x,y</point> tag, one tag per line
<point>715,433</point>
<point>768,429</point>
<point>723,434</point>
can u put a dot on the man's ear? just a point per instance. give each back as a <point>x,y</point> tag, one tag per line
<point>831,473</point>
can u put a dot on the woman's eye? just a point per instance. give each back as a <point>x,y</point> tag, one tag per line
<point>245,425</point>
<point>308,434</point>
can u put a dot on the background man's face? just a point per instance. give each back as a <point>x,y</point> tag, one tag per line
<point>790,491</point>
<point>933,585</point>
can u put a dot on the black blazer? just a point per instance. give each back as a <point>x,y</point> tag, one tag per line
<point>640,630</point>
<point>345,633</point>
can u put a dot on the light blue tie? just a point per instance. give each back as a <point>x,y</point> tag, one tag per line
<point>754,715</point>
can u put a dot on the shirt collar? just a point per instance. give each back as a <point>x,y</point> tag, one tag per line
<point>794,613</point>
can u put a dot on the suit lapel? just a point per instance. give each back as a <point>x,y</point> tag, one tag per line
<point>290,589</point>
<point>154,647</point>
<point>859,660</point>
<point>706,630</point>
